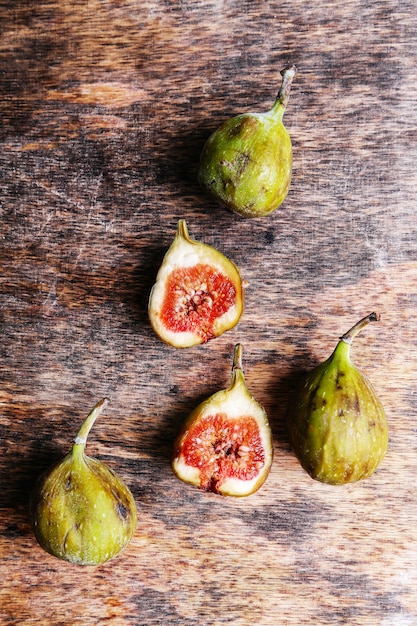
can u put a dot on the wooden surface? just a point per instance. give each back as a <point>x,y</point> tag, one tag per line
<point>105,107</point>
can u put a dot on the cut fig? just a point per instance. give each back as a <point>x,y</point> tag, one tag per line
<point>225,445</point>
<point>197,295</point>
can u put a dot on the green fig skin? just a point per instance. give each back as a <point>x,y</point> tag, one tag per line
<point>246,164</point>
<point>80,510</point>
<point>337,424</point>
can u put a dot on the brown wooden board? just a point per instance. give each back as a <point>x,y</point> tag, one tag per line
<point>105,107</point>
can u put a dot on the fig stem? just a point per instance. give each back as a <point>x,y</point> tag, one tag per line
<point>81,438</point>
<point>183,229</point>
<point>237,357</point>
<point>351,334</point>
<point>287,74</point>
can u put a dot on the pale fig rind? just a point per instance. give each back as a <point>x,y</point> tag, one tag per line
<point>246,164</point>
<point>225,446</point>
<point>337,424</point>
<point>81,511</point>
<point>197,295</point>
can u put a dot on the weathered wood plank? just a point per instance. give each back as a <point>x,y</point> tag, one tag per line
<point>105,108</point>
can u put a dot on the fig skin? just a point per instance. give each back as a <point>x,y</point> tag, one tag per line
<point>80,510</point>
<point>225,445</point>
<point>336,422</point>
<point>198,293</point>
<point>246,164</point>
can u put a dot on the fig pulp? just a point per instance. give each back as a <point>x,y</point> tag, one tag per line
<point>80,510</point>
<point>246,164</point>
<point>225,445</point>
<point>337,425</point>
<point>197,295</point>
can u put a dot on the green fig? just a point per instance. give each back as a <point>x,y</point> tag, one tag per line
<point>225,445</point>
<point>198,293</point>
<point>336,423</point>
<point>80,510</point>
<point>246,164</point>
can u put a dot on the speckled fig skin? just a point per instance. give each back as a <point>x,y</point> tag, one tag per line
<point>198,293</point>
<point>336,422</point>
<point>80,510</point>
<point>246,164</point>
<point>225,445</point>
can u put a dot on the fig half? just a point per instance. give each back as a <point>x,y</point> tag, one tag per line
<point>225,445</point>
<point>197,295</point>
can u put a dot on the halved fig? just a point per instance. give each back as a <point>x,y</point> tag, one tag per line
<point>197,295</point>
<point>225,445</point>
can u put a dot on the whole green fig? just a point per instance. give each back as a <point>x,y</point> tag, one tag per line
<point>336,422</point>
<point>80,510</point>
<point>246,164</point>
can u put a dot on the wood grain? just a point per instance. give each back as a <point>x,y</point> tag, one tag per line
<point>105,107</point>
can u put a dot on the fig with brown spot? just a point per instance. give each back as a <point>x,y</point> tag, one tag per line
<point>81,511</point>
<point>336,422</point>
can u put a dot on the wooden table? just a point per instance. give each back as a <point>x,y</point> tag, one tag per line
<point>105,107</point>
